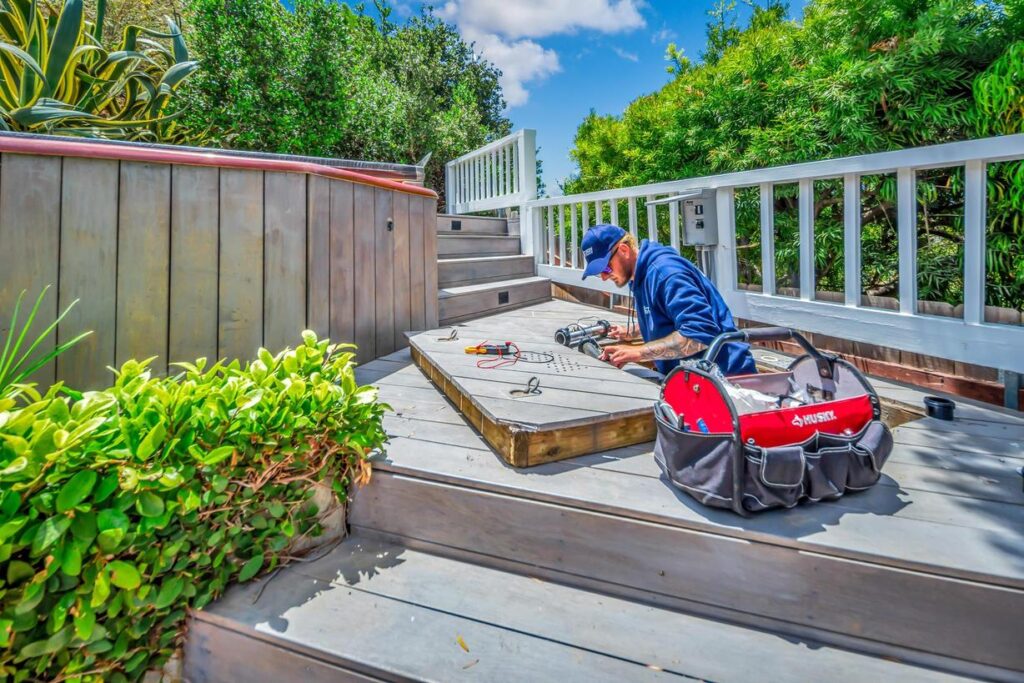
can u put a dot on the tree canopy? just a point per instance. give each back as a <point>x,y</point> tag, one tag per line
<point>853,77</point>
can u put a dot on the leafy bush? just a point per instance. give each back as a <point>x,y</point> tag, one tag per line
<point>854,77</point>
<point>323,79</point>
<point>56,76</point>
<point>124,509</point>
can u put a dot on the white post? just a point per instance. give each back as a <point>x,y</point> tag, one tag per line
<point>851,238</point>
<point>652,220</point>
<point>725,252</point>
<point>527,173</point>
<point>451,187</point>
<point>906,211</point>
<point>974,242</point>
<point>806,211</point>
<point>767,238</point>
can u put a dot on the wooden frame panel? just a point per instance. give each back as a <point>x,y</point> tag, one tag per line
<point>240,319</point>
<point>318,255</point>
<point>88,270</point>
<point>364,276</point>
<point>284,249</point>
<point>30,233</point>
<point>343,262</point>
<point>402,275</point>
<point>383,236</point>
<point>195,245</point>
<point>143,263</point>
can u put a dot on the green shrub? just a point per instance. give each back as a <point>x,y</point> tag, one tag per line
<point>122,510</point>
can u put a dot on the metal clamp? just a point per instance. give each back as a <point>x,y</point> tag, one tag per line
<point>532,389</point>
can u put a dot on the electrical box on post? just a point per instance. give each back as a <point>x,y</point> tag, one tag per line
<point>700,220</point>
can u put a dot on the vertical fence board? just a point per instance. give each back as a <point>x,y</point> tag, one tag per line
<point>240,320</point>
<point>88,270</point>
<point>384,246</point>
<point>365,282</point>
<point>195,207</point>
<point>143,263</point>
<point>417,288</point>
<point>429,259</point>
<point>806,218</point>
<point>403,307</point>
<point>318,255</point>
<point>30,234</point>
<point>346,226</point>
<point>285,265</point>
<point>975,191</point>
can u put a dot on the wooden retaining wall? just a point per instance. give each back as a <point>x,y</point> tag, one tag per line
<point>184,255</point>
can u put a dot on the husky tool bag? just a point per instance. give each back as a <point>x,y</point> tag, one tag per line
<point>755,442</point>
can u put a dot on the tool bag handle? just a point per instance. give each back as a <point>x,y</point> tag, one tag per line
<point>766,334</point>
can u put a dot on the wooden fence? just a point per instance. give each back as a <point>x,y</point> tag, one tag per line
<point>184,255</point>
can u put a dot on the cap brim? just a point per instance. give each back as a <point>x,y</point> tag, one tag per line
<point>596,266</point>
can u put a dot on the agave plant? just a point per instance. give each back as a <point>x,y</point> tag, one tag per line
<point>56,76</point>
<point>17,363</point>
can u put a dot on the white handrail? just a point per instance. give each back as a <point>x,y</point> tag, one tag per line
<point>967,339</point>
<point>499,175</point>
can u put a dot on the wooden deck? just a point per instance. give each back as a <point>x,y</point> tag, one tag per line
<point>926,568</point>
<point>579,404</point>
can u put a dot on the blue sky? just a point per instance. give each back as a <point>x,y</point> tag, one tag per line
<point>562,58</point>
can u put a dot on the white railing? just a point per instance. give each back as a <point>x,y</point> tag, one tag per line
<point>558,221</point>
<point>500,175</point>
<point>552,228</point>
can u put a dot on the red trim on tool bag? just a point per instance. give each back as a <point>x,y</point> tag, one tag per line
<point>793,425</point>
<point>693,396</point>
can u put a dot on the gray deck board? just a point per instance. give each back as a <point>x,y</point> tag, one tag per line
<point>929,513</point>
<point>367,595</point>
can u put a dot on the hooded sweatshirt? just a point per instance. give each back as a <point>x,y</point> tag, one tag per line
<point>671,294</point>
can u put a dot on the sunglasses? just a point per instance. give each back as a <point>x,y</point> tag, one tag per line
<point>608,268</point>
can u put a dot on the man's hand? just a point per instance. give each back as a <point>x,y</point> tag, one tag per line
<point>622,332</point>
<point>620,354</point>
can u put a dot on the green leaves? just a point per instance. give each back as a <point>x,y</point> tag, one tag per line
<point>76,490</point>
<point>124,575</point>
<point>251,568</point>
<point>156,496</point>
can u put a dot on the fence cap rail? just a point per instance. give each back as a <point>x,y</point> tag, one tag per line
<point>489,147</point>
<point>50,146</point>
<point>1002,148</point>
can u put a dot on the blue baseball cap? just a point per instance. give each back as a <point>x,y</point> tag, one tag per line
<point>597,246</point>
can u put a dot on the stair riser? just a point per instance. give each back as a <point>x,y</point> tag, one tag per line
<point>215,653</point>
<point>471,226</point>
<point>459,247</point>
<point>451,274</point>
<point>923,618</point>
<point>466,306</point>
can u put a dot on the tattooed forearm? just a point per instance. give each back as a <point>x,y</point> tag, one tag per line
<point>674,345</point>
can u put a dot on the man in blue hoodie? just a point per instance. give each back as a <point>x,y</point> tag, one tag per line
<point>678,309</point>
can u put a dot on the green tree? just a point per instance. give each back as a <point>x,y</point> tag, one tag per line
<point>326,79</point>
<point>854,77</point>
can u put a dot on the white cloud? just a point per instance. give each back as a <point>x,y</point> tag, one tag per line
<point>539,18</point>
<point>502,31</point>
<point>630,56</point>
<point>520,61</point>
<point>663,35</point>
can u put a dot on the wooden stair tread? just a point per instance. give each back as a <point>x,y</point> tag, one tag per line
<point>385,610</point>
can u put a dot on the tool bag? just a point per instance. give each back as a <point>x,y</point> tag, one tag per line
<point>829,442</point>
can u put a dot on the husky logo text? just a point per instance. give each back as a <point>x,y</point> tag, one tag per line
<point>814,418</point>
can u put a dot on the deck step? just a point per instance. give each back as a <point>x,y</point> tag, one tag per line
<point>480,269</point>
<point>457,304</point>
<point>753,579</point>
<point>465,246</point>
<point>372,610</point>
<point>470,225</point>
